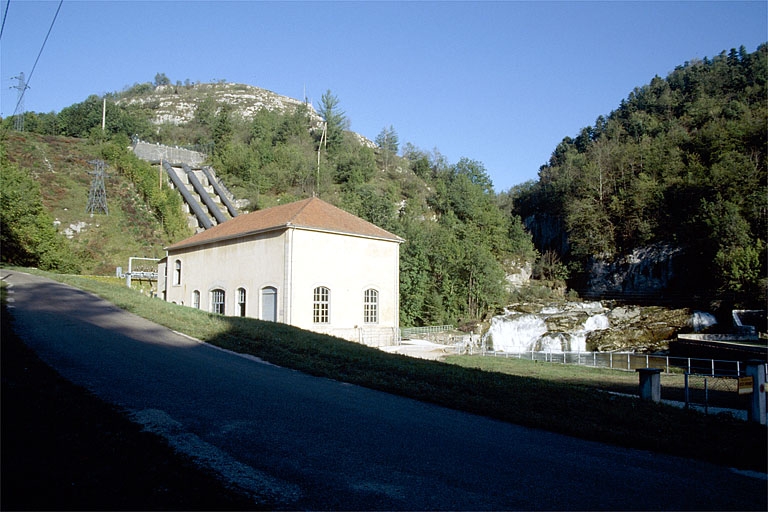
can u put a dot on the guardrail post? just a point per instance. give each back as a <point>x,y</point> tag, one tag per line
<point>756,411</point>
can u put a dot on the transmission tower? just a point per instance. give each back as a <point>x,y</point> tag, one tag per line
<point>18,113</point>
<point>97,197</point>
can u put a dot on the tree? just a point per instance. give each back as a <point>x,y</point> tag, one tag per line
<point>334,118</point>
<point>161,79</point>
<point>388,143</point>
<point>27,234</point>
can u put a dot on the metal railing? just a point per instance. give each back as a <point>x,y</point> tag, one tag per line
<point>630,361</point>
<point>407,332</point>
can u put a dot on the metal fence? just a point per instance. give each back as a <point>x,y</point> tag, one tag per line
<point>713,392</point>
<point>628,361</point>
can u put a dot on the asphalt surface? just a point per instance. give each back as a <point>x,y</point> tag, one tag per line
<point>301,442</point>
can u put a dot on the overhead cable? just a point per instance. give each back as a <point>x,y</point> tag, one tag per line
<point>5,17</point>
<point>21,97</point>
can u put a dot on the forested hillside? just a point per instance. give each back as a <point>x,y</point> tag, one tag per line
<point>459,244</point>
<point>682,161</point>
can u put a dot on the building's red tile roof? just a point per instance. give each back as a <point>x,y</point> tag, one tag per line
<point>312,213</point>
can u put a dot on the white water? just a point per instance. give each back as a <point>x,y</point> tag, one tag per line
<point>516,333</point>
<point>701,320</point>
<point>520,332</point>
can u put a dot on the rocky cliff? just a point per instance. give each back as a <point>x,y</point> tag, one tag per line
<point>176,104</point>
<point>647,272</point>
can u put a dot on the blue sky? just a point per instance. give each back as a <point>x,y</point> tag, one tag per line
<point>498,82</point>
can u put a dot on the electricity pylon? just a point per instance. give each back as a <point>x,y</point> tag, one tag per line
<point>97,197</point>
<point>18,120</point>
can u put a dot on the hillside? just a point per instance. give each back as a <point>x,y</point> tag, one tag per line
<point>663,199</point>
<point>60,167</point>
<point>281,156</point>
<point>666,196</point>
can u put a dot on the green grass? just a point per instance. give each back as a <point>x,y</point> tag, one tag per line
<point>554,397</point>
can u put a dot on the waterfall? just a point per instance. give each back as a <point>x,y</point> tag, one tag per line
<point>523,332</point>
<point>516,333</point>
<point>700,320</point>
<point>597,323</point>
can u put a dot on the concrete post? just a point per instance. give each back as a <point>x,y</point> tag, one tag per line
<point>756,411</point>
<point>650,383</point>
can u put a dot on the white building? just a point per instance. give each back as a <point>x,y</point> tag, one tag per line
<point>306,264</point>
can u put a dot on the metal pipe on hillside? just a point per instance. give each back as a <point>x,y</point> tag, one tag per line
<point>206,198</point>
<point>202,218</point>
<point>220,191</point>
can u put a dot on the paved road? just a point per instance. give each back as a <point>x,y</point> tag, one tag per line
<point>302,442</point>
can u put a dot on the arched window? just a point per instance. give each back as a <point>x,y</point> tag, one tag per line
<point>371,306</point>
<point>321,305</point>
<point>217,301</point>
<point>241,301</point>
<point>196,299</point>
<point>177,272</point>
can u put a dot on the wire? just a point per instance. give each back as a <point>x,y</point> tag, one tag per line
<point>5,17</point>
<point>21,96</point>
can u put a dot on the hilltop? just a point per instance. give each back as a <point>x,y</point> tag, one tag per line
<point>177,104</point>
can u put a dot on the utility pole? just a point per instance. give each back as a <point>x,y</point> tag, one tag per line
<point>323,142</point>
<point>97,196</point>
<point>18,113</point>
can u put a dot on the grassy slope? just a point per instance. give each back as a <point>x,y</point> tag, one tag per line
<point>533,399</point>
<point>60,165</point>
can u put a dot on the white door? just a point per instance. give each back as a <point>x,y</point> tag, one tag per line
<point>269,304</point>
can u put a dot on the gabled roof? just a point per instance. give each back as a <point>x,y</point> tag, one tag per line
<point>313,214</point>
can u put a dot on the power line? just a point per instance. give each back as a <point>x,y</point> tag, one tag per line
<point>5,17</point>
<point>21,98</point>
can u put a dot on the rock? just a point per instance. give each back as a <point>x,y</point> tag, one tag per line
<point>585,326</point>
<point>644,271</point>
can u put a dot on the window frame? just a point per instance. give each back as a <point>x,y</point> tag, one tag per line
<point>196,299</point>
<point>177,272</point>
<point>371,306</point>
<point>218,307</point>
<point>241,297</point>
<point>321,305</point>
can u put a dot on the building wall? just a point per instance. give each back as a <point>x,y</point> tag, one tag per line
<point>347,266</point>
<point>251,264</point>
<point>295,262</point>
